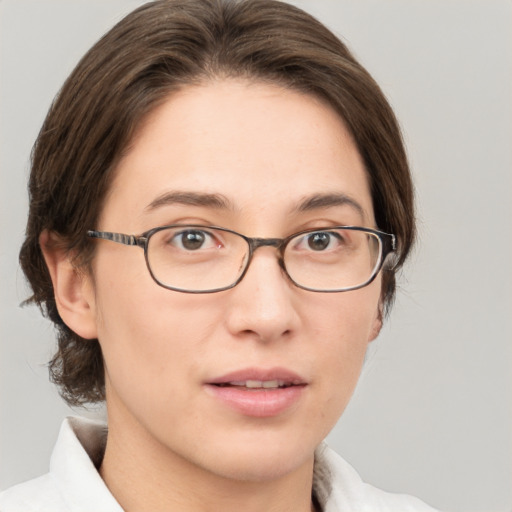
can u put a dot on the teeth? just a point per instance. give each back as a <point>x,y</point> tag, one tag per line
<point>254,384</point>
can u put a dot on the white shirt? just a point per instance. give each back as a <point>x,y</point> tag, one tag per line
<point>73,483</point>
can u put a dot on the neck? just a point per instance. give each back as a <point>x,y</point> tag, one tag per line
<point>143,475</point>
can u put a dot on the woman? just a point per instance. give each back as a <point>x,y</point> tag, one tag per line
<point>261,173</point>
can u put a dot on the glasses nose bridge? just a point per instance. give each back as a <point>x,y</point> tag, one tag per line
<point>256,243</point>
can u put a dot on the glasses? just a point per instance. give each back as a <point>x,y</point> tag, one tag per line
<point>208,259</point>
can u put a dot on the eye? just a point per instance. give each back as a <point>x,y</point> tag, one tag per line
<point>319,241</point>
<point>193,240</point>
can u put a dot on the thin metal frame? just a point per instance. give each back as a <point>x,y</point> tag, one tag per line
<point>387,246</point>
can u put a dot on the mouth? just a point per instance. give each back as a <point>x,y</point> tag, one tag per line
<point>258,393</point>
<point>257,385</point>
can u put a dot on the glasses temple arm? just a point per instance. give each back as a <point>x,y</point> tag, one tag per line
<point>119,238</point>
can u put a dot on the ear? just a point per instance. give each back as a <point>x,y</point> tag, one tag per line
<point>74,293</point>
<point>377,324</point>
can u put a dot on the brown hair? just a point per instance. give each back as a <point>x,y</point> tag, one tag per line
<point>160,47</point>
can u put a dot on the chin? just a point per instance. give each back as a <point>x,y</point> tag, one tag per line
<point>259,461</point>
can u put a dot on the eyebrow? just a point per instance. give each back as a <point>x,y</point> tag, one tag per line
<point>319,201</point>
<point>217,201</point>
<point>221,202</point>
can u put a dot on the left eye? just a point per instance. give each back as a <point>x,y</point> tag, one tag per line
<point>320,241</point>
<point>193,240</point>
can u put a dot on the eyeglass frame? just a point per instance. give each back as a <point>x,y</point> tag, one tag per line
<point>387,241</point>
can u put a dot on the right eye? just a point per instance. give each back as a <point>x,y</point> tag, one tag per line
<point>193,240</point>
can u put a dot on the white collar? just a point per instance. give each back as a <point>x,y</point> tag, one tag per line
<point>74,465</point>
<point>74,484</point>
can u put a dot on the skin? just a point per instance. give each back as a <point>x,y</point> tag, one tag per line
<point>172,445</point>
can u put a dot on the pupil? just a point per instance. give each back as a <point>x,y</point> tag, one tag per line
<point>318,241</point>
<point>193,240</point>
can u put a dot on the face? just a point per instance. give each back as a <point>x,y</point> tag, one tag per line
<point>265,151</point>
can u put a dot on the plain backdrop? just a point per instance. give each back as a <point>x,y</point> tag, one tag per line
<point>432,415</point>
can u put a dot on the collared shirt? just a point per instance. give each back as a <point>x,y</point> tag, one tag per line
<point>73,483</point>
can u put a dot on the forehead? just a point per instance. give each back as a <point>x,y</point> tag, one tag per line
<point>261,147</point>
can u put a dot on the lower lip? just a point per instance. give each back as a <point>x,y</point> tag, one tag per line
<point>259,403</point>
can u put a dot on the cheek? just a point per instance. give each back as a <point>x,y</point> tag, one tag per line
<point>150,337</point>
<point>347,320</point>
<point>343,326</point>
<point>138,317</point>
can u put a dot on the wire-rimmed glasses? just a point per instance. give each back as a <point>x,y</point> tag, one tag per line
<point>208,259</point>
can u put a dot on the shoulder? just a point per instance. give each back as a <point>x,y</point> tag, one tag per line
<point>73,482</point>
<point>38,495</point>
<point>339,487</point>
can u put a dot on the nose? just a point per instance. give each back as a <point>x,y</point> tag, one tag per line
<point>263,305</point>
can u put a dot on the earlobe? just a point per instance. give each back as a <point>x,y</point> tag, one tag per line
<point>377,325</point>
<point>73,289</point>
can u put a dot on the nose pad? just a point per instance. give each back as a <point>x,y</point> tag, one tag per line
<point>267,263</point>
<point>272,243</point>
<point>263,303</point>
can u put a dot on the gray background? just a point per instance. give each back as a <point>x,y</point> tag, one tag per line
<point>432,415</point>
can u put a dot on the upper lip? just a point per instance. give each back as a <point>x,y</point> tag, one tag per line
<point>260,374</point>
